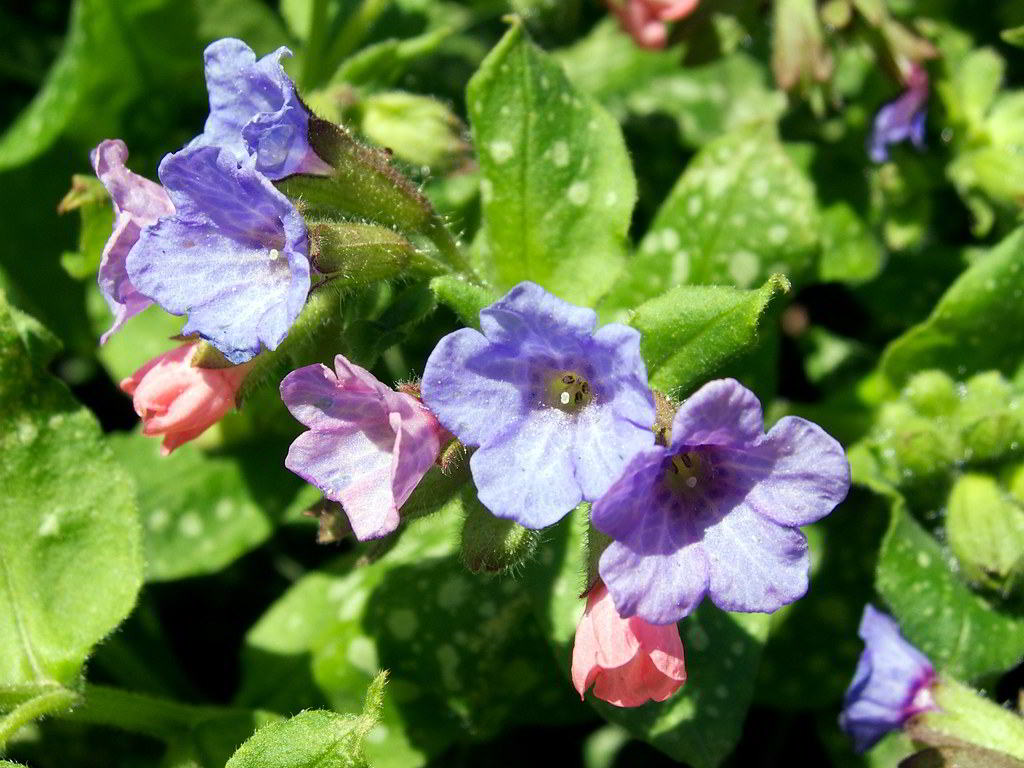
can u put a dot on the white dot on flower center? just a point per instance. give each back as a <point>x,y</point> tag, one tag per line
<point>692,482</point>
<point>274,254</point>
<point>564,398</point>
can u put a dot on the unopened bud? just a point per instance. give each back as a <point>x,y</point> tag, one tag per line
<point>985,529</point>
<point>418,129</point>
<point>991,424</point>
<point>799,57</point>
<point>491,544</point>
<point>932,393</point>
<point>358,253</point>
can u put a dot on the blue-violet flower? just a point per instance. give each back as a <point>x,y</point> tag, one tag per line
<point>893,682</point>
<point>138,202</point>
<point>718,510</point>
<point>254,109</point>
<point>556,407</point>
<point>233,256</point>
<point>903,118</point>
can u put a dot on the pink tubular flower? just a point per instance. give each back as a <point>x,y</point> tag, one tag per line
<point>628,661</point>
<point>367,446</point>
<point>138,202</point>
<point>179,401</point>
<point>645,20</point>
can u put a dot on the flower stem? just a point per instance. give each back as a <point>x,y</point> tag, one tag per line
<point>50,702</point>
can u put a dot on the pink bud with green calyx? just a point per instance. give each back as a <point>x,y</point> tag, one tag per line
<point>181,401</point>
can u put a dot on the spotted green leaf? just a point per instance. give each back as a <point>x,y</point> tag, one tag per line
<point>463,655</point>
<point>741,211</point>
<point>691,331</point>
<point>70,561</point>
<point>201,511</point>
<point>710,100</point>
<point>977,325</point>
<point>702,722</point>
<point>958,630</point>
<point>557,186</point>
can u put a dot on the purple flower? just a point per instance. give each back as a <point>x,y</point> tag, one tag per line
<point>233,256</point>
<point>254,109</point>
<point>556,408</point>
<point>138,202</point>
<point>717,511</point>
<point>367,446</point>
<point>892,683</point>
<point>903,118</point>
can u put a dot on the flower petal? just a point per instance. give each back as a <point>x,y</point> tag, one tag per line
<point>803,472</point>
<point>316,397</point>
<point>233,256</point>
<point>475,390</point>
<point>526,474</point>
<point>529,315</point>
<point>660,589</point>
<point>754,564</point>
<point>722,412</point>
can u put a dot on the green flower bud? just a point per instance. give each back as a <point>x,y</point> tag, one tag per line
<point>921,448</point>
<point>358,253</point>
<point>989,418</point>
<point>418,129</point>
<point>932,393</point>
<point>985,529</point>
<point>491,544</point>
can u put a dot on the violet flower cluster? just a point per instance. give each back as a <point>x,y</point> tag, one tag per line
<point>902,119</point>
<point>218,242</point>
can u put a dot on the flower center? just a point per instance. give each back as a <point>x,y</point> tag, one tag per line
<point>569,392</point>
<point>685,472</point>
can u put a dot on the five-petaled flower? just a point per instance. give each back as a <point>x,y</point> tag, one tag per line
<point>892,684</point>
<point>367,446</point>
<point>234,255</point>
<point>138,202</point>
<point>628,661</point>
<point>902,119</point>
<point>717,511</point>
<point>556,407</point>
<point>178,400</point>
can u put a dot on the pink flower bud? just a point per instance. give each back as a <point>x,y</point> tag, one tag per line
<point>628,661</point>
<point>645,20</point>
<point>179,401</point>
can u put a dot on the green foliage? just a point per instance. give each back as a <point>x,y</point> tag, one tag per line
<point>690,332</point>
<point>977,325</point>
<point>69,538</point>
<point>741,211</point>
<point>960,631</point>
<point>315,739</point>
<point>557,186</point>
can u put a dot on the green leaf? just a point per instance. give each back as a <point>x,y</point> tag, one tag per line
<point>465,660</point>
<point>965,756</point>
<point>202,511</point>
<point>977,325</point>
<point>692,331</point>
<point>314,739</point>
<point>849,252</point>
<point>702,722</point>
<point>609,66</point>
<point>463,297</point>
<point>741,211</point>
<point>1014,36</point>
<point>711,100</point>
<point>70,564</point>
<point>558,189</point>
<point>958,630</point>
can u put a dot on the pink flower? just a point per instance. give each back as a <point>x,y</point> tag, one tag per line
<point>628,661</point>
<point>138,202</point>
<point>179,401</point>
<point>645,20</point>
<point>367,446</point>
